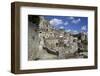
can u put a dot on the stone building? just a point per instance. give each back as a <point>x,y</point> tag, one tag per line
<point>83,36</point>
<point>56,40</point>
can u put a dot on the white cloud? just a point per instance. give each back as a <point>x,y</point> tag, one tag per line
<point>69,30</point>
<point>83,28</point>
<point>75,21</point>
<point>61,27</point>
<point>66,23</point>
<point>55,22</point>
<point>71,18</point>
<point>75,32</point>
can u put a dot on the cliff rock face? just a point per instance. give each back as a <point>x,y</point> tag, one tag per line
<point>36,42</point>
<point>33,41</point>
<point>50,43</point>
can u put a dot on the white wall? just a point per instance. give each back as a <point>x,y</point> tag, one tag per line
<point>5,42</point>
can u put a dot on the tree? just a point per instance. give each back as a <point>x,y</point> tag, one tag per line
<point>34,19</point>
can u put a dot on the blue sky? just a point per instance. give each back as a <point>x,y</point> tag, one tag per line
<point>69,23</point>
